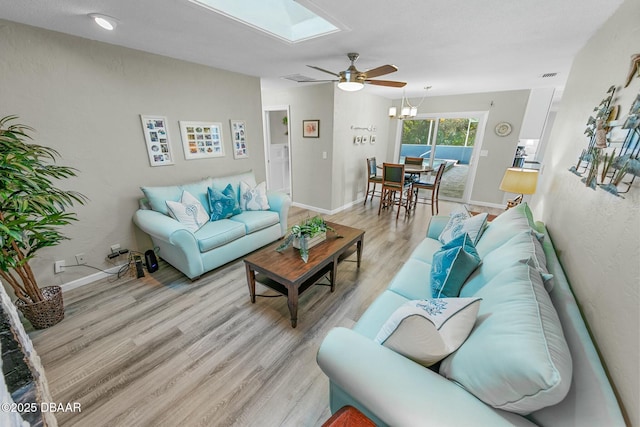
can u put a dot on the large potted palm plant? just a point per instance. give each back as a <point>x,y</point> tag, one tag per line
<point>32,210</point>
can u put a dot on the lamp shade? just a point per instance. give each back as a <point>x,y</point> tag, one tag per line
<point>519,181</point>
<point>393,111</point>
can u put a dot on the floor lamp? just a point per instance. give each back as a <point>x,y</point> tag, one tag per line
<point>519,181</point>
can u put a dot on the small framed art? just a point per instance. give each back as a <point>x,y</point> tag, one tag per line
<point>239,138</point>
<point>311,128</point>
<point>201,140</point>
<point>156,136</point>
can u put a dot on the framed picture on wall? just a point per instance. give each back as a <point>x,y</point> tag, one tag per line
<point>201,140</point>
<point>311,128</point>
<point>239,138</point>
<point>156,136</point>
<point>372,139</point>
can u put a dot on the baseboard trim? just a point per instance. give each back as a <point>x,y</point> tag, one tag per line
<point>326,211</point>
<point>90,278</point>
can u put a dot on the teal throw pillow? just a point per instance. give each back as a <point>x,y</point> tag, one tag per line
<point>452,265</point>
<point>223,204</point>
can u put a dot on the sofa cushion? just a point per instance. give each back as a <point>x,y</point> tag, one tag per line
<point>223,204</point>
<point>413,280</point>
<point>523,247</point>
<point>425,250</point>
<point>158,196</point>
<point>256,220</point>
<point>504,227</point>
<point>217,233</point>
<point>377,313</point>
<point>188,211</point>
<point>451,266</point>
<point>426,331</point>
<point>253,198</point>
<point>234,180</point>
<point>516,357</point>
<point>461,222</point>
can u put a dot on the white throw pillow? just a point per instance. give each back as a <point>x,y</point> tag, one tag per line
<point>188,211</point>
<point>460,222</point>
<point>427,331</point>
<point>253,199</point>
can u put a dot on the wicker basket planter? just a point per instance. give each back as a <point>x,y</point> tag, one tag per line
<point>45,313</point>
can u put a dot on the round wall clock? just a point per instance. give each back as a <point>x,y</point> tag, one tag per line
<point>503,129</point>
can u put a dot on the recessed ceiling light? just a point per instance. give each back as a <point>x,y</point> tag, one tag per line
<point>106,22</point>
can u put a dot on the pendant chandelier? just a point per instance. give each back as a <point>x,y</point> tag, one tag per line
<point>407,111</point>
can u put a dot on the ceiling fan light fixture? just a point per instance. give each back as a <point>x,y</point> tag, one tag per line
<point>350,86</point>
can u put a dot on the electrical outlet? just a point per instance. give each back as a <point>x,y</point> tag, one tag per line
<point>58,266</point>
<point>80,259</point>
<point>115,248</point>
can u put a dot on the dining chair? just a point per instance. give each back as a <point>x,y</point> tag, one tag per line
<point>372,178</point>
<point>434,186</point>
<point>413,176</point>
<point>395,191</point>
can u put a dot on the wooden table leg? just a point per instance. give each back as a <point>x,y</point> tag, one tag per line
<point>292,302</point>
<point>251,282</point>
<point>359,250</point>
<point>334,273</point>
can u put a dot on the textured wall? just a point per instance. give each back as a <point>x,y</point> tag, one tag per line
<point>84,99</point>
<point>596,233</point>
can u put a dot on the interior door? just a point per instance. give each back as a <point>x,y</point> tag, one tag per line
<point>277,148</point>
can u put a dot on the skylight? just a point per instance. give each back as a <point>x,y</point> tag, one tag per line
<point>285,19</point>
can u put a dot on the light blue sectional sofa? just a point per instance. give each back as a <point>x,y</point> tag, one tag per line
<point>529,359</point>
<point>216,242</point>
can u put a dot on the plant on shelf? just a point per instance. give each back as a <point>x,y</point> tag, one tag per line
<point>304,232</point>
<point>32,209</point>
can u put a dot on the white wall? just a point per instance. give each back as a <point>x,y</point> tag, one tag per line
<point>358,109</point>
<point>596,233</point>
<point>311,174</point>
<point>84,99</point>
<point>508,106</point>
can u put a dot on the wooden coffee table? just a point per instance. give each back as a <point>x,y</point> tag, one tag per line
<point>287,274</point>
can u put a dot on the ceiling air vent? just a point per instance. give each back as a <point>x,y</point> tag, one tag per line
<point>298,78</point>
<point>548,75</point>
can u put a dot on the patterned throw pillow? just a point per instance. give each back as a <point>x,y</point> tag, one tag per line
<point>188,211</point>
<point>452,265</point>
<point>253,199</point>
<point>426,331</point>
<point>460,222</point>
<point>223,204</point>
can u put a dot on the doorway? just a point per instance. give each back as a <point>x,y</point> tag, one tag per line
<point>277,148</point>
<point>450,138</point>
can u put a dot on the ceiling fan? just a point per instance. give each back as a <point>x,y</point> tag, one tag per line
<point>352,79</point>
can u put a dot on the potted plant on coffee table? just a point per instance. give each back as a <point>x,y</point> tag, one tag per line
<point>306,235</point>
<point>32,209</point>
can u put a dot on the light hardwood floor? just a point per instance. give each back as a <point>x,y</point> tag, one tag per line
<point>165,351</point>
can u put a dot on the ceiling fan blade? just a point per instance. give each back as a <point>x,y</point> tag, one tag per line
<point>381,71</point>
<point>323,70</point>
<point>386,83</point>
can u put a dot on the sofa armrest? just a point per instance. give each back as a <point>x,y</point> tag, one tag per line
<point>280,202</point>
<point>165,228</point>
<point>398,391</point>
<point>436,225</point>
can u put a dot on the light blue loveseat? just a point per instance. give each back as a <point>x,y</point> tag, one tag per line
<point>494,361</point>
<point>217,242</point>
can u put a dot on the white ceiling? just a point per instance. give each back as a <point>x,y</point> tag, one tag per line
<point>455,46</point>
